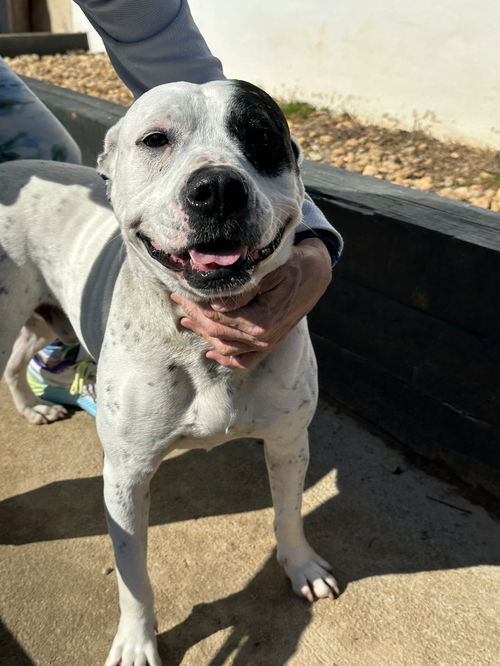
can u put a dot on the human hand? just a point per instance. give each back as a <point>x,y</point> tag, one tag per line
<point>242,330</point>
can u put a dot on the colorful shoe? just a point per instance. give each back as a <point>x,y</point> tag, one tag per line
<point>65,375</point>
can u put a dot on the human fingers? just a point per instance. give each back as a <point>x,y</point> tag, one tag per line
<point>243,361</point>
<point>225,346</point>
<point>245,324</point>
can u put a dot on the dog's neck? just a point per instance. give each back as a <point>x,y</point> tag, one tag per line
<point>161,317</point>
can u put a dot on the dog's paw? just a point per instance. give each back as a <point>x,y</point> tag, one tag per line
<point>134,645</point>
<point>311,576</point>
<point>44,412</point>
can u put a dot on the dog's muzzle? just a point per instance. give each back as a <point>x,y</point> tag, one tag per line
<point>222,248</point>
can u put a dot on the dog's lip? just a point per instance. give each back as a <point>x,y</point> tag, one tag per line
<point>172,261</point>
<point>212,255</point>
<point>267,250</point>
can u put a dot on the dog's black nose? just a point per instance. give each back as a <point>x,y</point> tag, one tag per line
<point>216,191</point>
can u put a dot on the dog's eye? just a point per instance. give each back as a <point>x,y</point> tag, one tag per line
<point>155,140</point>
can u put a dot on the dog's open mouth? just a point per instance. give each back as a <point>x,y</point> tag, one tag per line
<point>214,264</point>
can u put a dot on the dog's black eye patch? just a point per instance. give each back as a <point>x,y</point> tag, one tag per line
<point>257,123</point>
<point>155,140</point>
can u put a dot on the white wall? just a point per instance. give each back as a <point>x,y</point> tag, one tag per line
<point>80,24</point>
<point>432,65</point>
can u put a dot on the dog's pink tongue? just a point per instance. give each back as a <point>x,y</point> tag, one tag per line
<point>215,259</point>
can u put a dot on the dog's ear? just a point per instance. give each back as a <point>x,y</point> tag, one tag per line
<point>297,150</point>
<point>107,159</point>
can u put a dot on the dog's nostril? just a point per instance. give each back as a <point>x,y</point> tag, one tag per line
<point>201,194</point>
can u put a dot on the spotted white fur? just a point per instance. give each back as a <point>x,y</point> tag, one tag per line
<point>156,389</point>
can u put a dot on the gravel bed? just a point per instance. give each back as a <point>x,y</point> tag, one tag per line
<point>411,159</point>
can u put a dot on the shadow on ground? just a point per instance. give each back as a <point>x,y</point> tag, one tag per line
<point>11,652</point>
<point>382,521</point>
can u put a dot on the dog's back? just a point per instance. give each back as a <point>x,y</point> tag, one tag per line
<point>54,222</point>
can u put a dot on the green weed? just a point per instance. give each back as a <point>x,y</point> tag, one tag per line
<point>297,109</point>
<point>494,175</point>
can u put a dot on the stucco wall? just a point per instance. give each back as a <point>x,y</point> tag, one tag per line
<point>60,13</point>
<point>431,65</point>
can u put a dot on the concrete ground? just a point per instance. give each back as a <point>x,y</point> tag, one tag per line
<point>417,563</point>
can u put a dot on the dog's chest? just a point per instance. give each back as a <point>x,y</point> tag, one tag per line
<point>222,408</point>
<point>245,404</point>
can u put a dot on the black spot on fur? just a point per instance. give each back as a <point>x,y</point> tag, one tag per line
<point>257,123</point>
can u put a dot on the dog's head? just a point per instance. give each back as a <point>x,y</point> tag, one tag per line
<point>205,183</point>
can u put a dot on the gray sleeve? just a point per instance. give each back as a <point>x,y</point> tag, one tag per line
<point>152,42</point>
<point>315,225</point>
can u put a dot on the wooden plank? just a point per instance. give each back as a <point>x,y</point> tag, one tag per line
<point>443,361</point>
<point>404,205</point>
<point>431,428</point>
<point>451,278</point>
<point>43,43</point>
<point>15,16</point>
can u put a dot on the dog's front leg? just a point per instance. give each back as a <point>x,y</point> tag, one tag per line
<point>287,463</point>
<point>126,495</point>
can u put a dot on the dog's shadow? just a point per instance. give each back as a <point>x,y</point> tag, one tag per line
<point>382,521</point>
<point>265,621</point>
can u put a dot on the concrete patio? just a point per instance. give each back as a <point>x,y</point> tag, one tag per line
<point>417,563</point>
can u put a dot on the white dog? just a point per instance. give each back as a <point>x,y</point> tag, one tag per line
<point>206,194</point>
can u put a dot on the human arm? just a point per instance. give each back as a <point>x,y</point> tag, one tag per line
<point>154,42</point>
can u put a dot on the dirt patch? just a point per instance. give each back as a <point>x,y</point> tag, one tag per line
<point>412,159</point>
